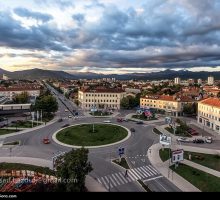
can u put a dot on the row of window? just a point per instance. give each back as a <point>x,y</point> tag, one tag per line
<point>111,106</point>
<point>209,116</point>
<point>168,107</point>
<point>208,124</point>
<point>101,95</point>
<point>208,108</point>
<point>90,100</point>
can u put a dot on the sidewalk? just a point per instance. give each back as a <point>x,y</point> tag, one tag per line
<point>201,167</point>
<point>91,184</point>
<point>31,129</point>
<point>162,167</point>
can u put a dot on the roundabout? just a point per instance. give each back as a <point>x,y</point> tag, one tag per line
<point>80,135</point>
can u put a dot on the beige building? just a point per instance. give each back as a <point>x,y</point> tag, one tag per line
<point>210,80</point>
<point>177,81</point>
<point>100,98</point>
<point>209,113</point>
<point>172,105</point>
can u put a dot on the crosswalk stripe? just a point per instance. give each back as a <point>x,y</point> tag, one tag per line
<point>113,176</point>
<point>99,180</point>
<point>133,175</point>
<point>108,182</point>
<point>128,178</point>
<point>146,171</point>
<point>112,181</point>
<point>122,176</point>
<point>136,173</point>
<point>154,169</point>
<point>117,175</point>
<point>103,181</point>
<point>141,173</point>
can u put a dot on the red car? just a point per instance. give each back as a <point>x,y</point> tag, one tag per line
<point>46,141</point>
<point>119,120</point>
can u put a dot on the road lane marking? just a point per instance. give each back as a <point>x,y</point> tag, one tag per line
<point>141,173</point>
<point>149,174</point>
<point>151,179</point>
<point>113,176</point>
<point>122,175</point>
<point>117,175</point>
<point>150,170</point>
<point>153,169</point>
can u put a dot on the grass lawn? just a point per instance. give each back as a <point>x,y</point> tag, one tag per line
<point>164,154</point>
<point>6,131</point>
<point>178,133</point>
<point>82,135</point>
<point>203,181</point>
<point>208,160</point>
<point>157,131</point>
<point>19,166</point>
<point>100,113</point>
<point>142,117</point>
<point>123,163</point>
<point>24,124</point>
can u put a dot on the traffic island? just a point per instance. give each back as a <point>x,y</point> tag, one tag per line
<point>91,135</point>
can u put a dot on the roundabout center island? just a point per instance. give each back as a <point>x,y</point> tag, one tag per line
<point>91,135</point>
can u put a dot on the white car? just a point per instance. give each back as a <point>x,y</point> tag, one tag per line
<point>107,121</point>
<point>208,140</point>
<point>70,116</point>
<point>183,139</point>
<point>66,110</point>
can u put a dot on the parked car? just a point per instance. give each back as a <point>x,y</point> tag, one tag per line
<point>199,141</point>
<point>140,122</point>
<point>65,125</point>
<point>70,116</point>
<point>125,120</point>
<point>183,139</point>
<point>46,140</point>
<point>119,120</point>
<point>192,131</point>
<point>208,140</point>
<point>107,121</point>
<point>60,120</point>
<point>66,110</point>
<point>132,130</point>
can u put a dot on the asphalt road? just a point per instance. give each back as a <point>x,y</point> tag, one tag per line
<point>107,173</point>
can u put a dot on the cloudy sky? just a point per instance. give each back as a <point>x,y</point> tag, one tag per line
<point>110,36</point>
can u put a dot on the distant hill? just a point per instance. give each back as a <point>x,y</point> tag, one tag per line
<point>167,74</point>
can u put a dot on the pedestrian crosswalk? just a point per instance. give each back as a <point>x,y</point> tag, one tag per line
<point>120,178</point>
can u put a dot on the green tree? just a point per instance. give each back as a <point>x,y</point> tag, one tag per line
<point>74,167</point>
<point>21,98</point>
<point>190,109</point>
<point>125,103</point>
<point>46,103</point>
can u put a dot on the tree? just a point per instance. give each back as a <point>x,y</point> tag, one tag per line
<point>46,103</point>
<point>125,103</point>
<point>72,170</point>
<point>190,108</point>
<point>21,98</point>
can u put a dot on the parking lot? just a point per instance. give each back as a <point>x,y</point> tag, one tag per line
<point>201,131</point>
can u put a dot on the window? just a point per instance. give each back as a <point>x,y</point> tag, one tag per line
<point>200,120</point>
<point>217,127</point>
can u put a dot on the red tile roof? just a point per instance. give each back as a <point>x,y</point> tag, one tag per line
<point>211,102</point>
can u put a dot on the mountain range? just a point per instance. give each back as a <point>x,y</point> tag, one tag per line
<point>36,74</point>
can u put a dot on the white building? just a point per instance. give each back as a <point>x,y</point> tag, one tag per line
<point>210,80</point>
<point>11,92</point>
<point>177,81</point>
<point>199,81</point>
<point>209,114</point>
<point>101,98</point>
<point>5,77</point>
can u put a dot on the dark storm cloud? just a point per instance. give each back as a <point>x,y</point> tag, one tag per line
<point>43,37</point>
<point>23,12</point>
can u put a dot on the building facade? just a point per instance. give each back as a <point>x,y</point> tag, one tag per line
<point>172,105</point>
<point>100,98</point>
<point>209,114</point>
<point>210,80</point>
<point>177,81</point>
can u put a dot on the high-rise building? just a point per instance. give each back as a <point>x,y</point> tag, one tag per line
<point>199,81</point>
<point>177,80</point>
<point>5,77</point>
<point>210,80</point>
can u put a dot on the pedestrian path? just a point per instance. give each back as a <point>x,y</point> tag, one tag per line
<point>145,173</point>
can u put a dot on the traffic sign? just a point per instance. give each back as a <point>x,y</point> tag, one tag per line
<point>121,150</point>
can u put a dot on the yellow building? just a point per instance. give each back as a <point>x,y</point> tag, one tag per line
<point>209,113</point>
<point>100,98</point>
<point>172,105</point>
